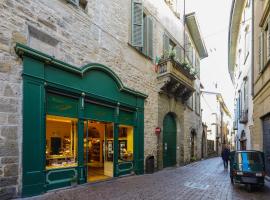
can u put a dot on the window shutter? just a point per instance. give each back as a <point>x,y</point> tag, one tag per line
<point>150,39</point>
<point>137,23</point>
<point>260,51</point>
<point>246,94</point>
<point>166,45</point>
<point>144,49</point>
<point>190,53</point>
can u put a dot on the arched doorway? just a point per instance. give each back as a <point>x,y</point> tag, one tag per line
<point>169,141</point>
<point>192,145</point>
<point>203,144</point>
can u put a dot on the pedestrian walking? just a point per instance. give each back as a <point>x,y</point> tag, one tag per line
<point>225,156</point>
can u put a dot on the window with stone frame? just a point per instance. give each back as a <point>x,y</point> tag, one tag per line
<point>197,103</point>
<point>190,51</point>
<point>261,52</point>
<point>266,42</point>
<point>247,43</point>
<point>193,101</point>
<point>267,30</point>
<point>245,95</point>
<point>197,65</point>
<point>170,46</point>
<point>190,102</point>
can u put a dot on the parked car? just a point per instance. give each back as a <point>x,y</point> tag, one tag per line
<point>247,167</point>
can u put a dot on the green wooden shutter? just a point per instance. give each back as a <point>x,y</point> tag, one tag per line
<point>166,45</point>
<point>137,23</point>
<point>144,49</point>
<point>150,39</point>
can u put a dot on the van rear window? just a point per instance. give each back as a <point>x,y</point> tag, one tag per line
<point>249,157</point>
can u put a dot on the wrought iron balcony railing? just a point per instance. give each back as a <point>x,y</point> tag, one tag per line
<point>175,78</point>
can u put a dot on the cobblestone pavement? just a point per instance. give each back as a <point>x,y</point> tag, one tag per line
<point>201,180</point>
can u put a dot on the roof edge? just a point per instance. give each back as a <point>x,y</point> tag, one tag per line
<point>199,41</point>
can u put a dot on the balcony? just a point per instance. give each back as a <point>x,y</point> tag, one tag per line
<point>175,79</point>
<point>243,116</point>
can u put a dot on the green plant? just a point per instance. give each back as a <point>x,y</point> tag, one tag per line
<point>169,54</point>
<point>193,158</point>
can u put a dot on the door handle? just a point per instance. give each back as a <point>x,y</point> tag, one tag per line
<point>165,146</point>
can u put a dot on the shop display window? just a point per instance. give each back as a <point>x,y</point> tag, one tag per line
<point>61,142</point>
<point>125,150</point>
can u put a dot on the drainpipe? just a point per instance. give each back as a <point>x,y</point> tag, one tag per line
<point>252,50</point>
<point>184,21</point>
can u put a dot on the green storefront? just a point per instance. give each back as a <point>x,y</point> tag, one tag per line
<point>79,124</point>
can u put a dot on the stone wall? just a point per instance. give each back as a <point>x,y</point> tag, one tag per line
<point>192,121</point>
<point>99,33</point>
<point>261,108</point>
<point>261,80</point>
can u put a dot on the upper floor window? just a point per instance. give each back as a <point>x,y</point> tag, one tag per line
<point>260,52</point>
<point>197,103</point>
<point>264,46</point>
<point>197,65</point>
<point>190,102</point>
<point>169,46</point>
<point>247,43</point>
<point>190,51</point>
<point>141,29</point>
<point>245,95</point>
<point>267,39</point>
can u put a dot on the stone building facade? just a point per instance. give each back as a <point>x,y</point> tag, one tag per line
<point>240,69</point>
<point>102,32</point>
<point>217,118</point>
<point>261,77</point>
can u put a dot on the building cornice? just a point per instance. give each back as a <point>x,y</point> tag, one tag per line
<point>234,25</point>
<point>194,30</point>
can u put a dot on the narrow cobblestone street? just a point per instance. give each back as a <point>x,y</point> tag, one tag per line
<point>201,180</point>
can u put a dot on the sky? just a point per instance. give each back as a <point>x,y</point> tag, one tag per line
<point>213,17</point>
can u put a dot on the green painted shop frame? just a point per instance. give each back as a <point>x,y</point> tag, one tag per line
<point>88,88</point>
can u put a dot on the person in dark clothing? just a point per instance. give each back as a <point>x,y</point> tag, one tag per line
<point>225,156</point>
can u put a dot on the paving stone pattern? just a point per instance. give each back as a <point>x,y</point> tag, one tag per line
<point>201,180</point>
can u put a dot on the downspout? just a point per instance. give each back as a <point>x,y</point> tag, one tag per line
<point>184,21</point>
<point>252,51</point>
